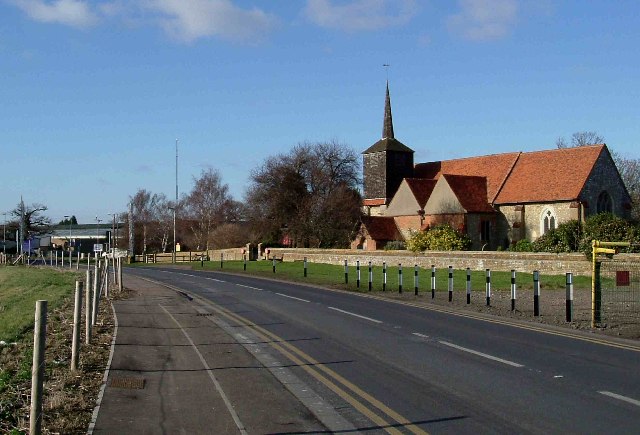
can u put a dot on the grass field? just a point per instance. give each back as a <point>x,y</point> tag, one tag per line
<point>334,276</point>
<point>20,288</point>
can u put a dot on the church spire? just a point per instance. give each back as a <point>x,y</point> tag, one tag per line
<point>387,128</point>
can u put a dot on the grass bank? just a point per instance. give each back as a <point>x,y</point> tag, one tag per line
<point>334,276</point>
<point>20,288</point>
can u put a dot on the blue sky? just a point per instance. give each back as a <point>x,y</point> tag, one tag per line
<point>93,94</point>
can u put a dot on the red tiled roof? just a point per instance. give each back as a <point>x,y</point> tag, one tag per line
<point>421,189</point>
<point>551,175</point>
<point>495,168</point>
<point>381,227</point>
<point>471,192</point>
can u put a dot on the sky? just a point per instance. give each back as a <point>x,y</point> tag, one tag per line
<point>94,94</point>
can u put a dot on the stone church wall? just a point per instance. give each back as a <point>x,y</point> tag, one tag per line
<point>605,177</point>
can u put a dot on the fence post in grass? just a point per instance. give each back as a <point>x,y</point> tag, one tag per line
<point>415,279</point>
<point>305,267</point>
<point>513,290</point>
<point>75,341</point>
<point>78,262</point>
<point>274,264</point>
<point>488,287</point>
<point>244,262</point>
<point>106,280</point>
<point>569,282</point>
<point>370,276</point>
<point>468,286</point>
<point>450,286</point>
<point>346,272</point>
<point>536,293</point>
<point>384,276</point>
<point>358,273</point>
<point>37,369</point>
<point>433,281</point>
<point>120,274</point>
<point>87,308</point>
<point>96,294</point>
<point>399,277</point>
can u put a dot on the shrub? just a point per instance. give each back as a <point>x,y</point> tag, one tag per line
<point>564,238</point>
<point>609,228</point>
<point>522,246</point>
<point>395,245</point>
<point>439,238</point>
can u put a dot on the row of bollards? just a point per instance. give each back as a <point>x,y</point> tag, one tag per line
<point>96,282</point>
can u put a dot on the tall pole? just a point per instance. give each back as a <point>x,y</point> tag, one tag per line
<point>4,234</point>
<point>175,207</point>
<point>66,217</point>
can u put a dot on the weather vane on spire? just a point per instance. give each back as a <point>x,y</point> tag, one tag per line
<point>386,68</point>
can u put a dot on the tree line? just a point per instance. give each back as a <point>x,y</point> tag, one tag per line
<point>308,197</point>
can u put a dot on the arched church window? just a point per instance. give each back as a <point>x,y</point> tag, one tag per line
<point>548,221</point>
<point>604,204</point>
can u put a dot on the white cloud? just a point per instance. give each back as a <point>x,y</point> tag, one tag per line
<point>481,20</point>
<point>75,13</point>
<point>190,20</point>
<point>360,14</point>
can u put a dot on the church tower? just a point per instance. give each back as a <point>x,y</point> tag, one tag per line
<point>385,164</point>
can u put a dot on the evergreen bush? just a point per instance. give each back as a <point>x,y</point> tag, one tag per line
<point>439,238</point>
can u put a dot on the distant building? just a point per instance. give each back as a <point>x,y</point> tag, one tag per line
<point>81,238</point>
<point>496,199</point>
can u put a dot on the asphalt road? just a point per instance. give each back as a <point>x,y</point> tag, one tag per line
<point>397,368</point>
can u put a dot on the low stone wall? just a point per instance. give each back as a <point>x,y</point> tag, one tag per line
<point>475,260</point>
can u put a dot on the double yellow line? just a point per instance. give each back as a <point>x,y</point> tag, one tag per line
<point>351,393</point>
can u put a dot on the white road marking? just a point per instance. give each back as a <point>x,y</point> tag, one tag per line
<point>355,315</point>
<point>620,397</point>
<point>420,335</point>
<point>484,355</point>
<point>213,279</point>
<point>292,297</point>
<point>248,286</point>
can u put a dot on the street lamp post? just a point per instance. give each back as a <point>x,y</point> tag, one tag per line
<point>175,207</point>
<point>69,226</point>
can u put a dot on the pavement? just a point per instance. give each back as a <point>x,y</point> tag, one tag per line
<point>174,370</point>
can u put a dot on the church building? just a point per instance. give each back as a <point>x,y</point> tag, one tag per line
<point>495,199</point>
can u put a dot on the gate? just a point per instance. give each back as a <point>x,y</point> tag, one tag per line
<point>615,286</point>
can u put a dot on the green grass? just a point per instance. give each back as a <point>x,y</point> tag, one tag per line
<point>21,287</point>
<point>333,276</point>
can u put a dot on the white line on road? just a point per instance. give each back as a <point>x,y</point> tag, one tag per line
<point>420,335</point>
<point>248,286</point>
<point>484,355</point>
<point>213,279</point>
<point>619,397</point>
<point>293,297</point>
<point>355,315</point>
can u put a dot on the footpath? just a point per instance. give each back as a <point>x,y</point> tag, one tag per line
<point>174,371</point>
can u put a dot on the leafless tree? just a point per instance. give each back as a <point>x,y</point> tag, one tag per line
<point>144,202</point>
<point>30,218</point>
<point>579,139</point>
<point>308,196</point>
<point>208,206</point>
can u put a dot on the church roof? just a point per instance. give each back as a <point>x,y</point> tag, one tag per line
<point>388,144</point>
<point>471,192</point>
<point>421,189</point>
<point>381,227</point>
<point>551,175</point>
<point>495,168</point>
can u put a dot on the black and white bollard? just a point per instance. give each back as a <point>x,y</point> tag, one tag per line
<point>399,277</point>
<point>305,267</point>
<point>358,273</point>
<point>384,276</point>
<point>346,272</point>
<point>468,285</point>
<point>569,296</point>
<point>488,287</point>
<point>370,276</point>
<point>244,262</point>
<point>415,279</point>
<point>450,285</point>
<point>433,281</point>
<point>221,260</point>
<point>536,293</point>
<point>274,264</point>
<point>513,290</point>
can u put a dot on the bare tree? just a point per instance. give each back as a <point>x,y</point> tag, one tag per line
<point>308,197</point>
<point>30,219</point>
<point>143,205</point>
<point>630,172</point>
<point>208,206</point>
<point>579,139</point>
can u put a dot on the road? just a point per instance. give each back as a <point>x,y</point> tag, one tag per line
<point>397,368</point>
